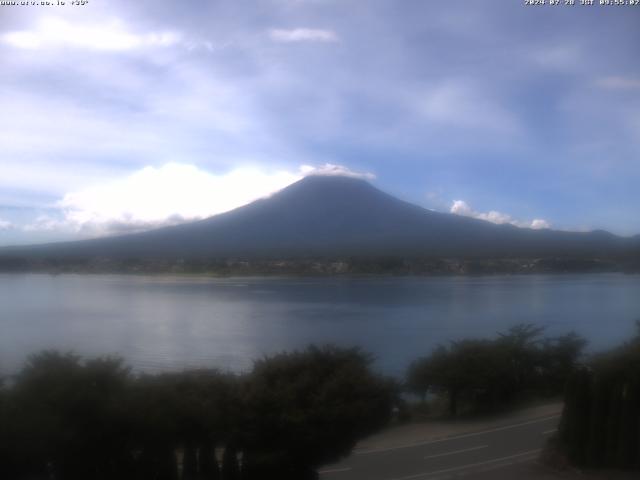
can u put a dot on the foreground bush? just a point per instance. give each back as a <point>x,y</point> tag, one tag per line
<point>65,419</point>
<point>600,424</point>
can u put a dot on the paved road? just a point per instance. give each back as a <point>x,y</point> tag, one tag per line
<point>496,453</point>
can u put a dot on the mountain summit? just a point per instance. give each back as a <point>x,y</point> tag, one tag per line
<point>333,216</point>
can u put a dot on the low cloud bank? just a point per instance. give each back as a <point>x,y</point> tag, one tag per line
<point>460,207</point>
<point>168,195</point>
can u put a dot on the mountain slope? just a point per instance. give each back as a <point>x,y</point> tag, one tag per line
<point>336,216</point>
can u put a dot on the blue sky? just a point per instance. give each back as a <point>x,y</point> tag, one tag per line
<point>118,116</point>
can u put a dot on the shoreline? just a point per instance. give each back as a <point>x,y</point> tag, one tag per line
<point>324,267</point>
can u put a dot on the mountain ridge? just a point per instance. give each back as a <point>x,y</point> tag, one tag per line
<point>336,216</point>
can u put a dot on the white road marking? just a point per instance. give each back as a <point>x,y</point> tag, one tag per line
<point>334,470</point>
<point>471,465</point>
<point>456,451</point>
<point>547,432</point>
<point>466,435</point>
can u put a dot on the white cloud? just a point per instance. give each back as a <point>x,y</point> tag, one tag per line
<point>460,207</point>
<point>619,83</point>
<point>5,225</point>
<point>330,169</point>
<point>170,194</point>
<point>539,223</point>
<point>51,32</point>
<point>303,35</point>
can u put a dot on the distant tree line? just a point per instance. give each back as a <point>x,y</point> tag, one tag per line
<point>476,376</point>
<point>338,265</point>
<point>62,418</point>
<point>600,425</point>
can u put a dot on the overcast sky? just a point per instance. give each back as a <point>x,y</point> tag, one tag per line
<point>120,115</point>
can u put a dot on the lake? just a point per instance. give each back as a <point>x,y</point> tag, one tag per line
<point>175,322</point>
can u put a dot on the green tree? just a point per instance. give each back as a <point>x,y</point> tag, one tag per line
<point>305,409</point>
<point>69,416</point>
<point>560,357</point>
<point>484,375</point>
<point>600,425</point>
<point>522,348</point>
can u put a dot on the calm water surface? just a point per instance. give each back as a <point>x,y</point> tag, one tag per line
<point>176,322</point>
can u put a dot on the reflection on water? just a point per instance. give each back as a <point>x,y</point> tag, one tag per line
<point>169,322</point>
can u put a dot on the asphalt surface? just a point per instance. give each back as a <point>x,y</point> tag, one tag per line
<point>503,452</point>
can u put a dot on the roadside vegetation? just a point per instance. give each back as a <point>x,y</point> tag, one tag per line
<point>65,418</point>
<point>600,426</point>
<point>483,376</point>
